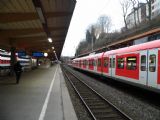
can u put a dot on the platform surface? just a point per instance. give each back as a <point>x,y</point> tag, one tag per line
<point>40,95</point>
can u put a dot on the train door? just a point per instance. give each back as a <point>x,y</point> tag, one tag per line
<point>99,65</point>
<point>87,64</point>
<point>143,67</point>
<point>110,65</point>
<point>113,64</point>
<point>105,65</point>
<point>94,64</point>
<point>152,67</point>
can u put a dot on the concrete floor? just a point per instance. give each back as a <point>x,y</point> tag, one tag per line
<point>27,100</point>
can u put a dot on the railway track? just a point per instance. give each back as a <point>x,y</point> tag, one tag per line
<point>98,106</point>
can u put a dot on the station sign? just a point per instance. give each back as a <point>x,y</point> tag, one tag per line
<point>37,54</point>
<point>21,53</point>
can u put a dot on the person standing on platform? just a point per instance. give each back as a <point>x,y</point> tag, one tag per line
<point>18,71</point>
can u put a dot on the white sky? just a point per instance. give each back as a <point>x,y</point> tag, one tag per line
<point>86,13</point>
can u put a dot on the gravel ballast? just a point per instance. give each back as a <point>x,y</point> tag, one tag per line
<point>136,108</point>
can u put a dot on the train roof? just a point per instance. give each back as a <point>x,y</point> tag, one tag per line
<point>143,46</point>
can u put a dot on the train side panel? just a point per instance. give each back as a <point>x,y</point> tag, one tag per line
<point>138,65</point>
<point>128,65</point>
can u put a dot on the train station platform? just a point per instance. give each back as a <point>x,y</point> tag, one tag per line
<point>40,95</point>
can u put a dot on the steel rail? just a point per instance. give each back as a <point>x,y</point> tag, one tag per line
<point>99,107</point>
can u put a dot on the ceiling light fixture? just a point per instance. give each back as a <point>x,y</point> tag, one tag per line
<point>45,54</point>
<point>53,48</point>
<point>50,40</point>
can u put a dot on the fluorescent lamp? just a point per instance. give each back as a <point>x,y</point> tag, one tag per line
<point>50,40</point>
<point>45,54</point>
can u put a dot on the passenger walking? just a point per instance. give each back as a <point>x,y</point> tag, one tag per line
<point>18,71</point>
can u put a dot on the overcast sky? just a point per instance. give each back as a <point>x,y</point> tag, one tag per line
<point>86,13</point>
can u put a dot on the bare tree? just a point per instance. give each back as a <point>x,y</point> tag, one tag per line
<point>104,23</point>
<point>81,47</point>
<point>134,11</point>
<point>92,35</point>
<point>149,9</point>
<point>88,36</point>
<point>125,4</point>
<point>138,5</point>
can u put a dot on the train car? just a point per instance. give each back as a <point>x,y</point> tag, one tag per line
<point>4,63</point>
<point>25,62</point>
<point>138,65</point>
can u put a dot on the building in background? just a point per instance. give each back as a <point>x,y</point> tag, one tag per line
<point>155,6</point>
<point>137,15</point>
<point>140,13</point>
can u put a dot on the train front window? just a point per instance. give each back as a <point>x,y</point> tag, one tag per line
<point>143,63</point>
<point>120,63</point>
<point>131,63</point>
<point>152,63</point>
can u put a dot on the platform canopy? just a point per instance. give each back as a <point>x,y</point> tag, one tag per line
<point>27,24</point>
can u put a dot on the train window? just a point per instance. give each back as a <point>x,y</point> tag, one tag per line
<point>105,62</point>
<point>110,62</point>
<point>131,63</point>
<point>87,62</point>
<point>79,63</point>
<point>94,62</point>
<point>152,63</point>
<point>120,63</point>
<point>113,64</point>
<point>99,62</point>
<point>90,62</point>
<point>143,63</point>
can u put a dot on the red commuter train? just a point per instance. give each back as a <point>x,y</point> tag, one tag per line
<point>138,64</point>
<point>5,63</point>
